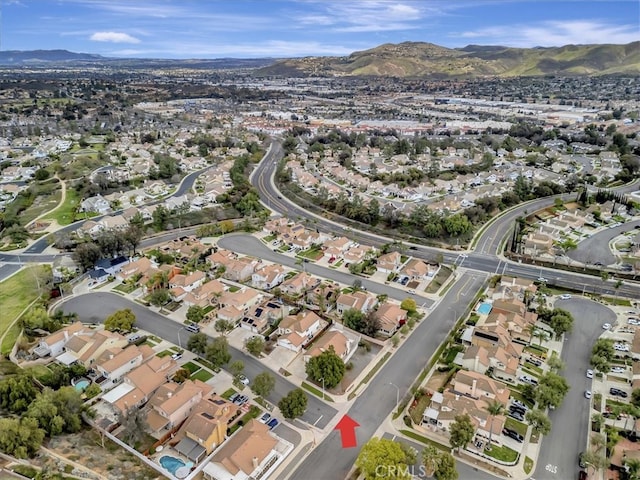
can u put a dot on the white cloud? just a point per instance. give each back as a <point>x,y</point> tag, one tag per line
<point>114,37</point>
<point>554,33</point>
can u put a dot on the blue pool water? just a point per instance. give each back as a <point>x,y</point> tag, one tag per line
<point>81,385</point>
<point>171,463</point>
<point>484,308</point>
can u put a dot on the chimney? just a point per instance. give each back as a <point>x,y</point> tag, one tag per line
<point>169,394</point>
<point>254,460</point>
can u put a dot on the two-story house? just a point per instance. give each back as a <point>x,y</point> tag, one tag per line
<point>253,452</point>
<point>206,294</point>
<point>359,300</point>
<point>335,340</point>
<point>233,305</point>
<point>268,277</point>
<point>389,262</point>
<point>54,343</point>
<point>260,317</point>
<point>181,284</point>
<point>172,403</point>
<point>296,331</point>
<point>299,284</point>
<point>390,317</point>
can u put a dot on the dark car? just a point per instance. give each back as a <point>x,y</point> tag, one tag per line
<point>617,392</point>
<point>518,410</point>
<point>513,434</point>
<point>273,423</point>
<point>582,475</point>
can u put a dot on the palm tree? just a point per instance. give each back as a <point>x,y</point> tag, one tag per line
<point>598,441</point>
<point>494,408</point>
<point>531,330</point>
<point>541,335</point>
<point>430,460</point>
<point>632,466</point>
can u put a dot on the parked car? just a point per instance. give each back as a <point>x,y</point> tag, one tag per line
<point>518,403</point>
<point>616,392</point>
<point>273,423</point>
<point>589,373</point>
<point>517,415</point>
<point>633,321</point>
<point>176,356</point>
<point>618,369</point>
<point>606,326</point>
<point>243,379</point>
<point>513,434</point>
<point>565,296</point>
<point>193,328</point>
<point>528,379</point>
<point>265,418</point>
<point>241,400</point>
<point>587,394</point>
<point>234,397</point>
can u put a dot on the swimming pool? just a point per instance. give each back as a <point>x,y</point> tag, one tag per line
<point>174,465</point>
<point>80,384</point>
<point>484,308</point>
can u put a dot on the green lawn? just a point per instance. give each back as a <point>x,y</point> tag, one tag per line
<point>227,394</point>
<point>513,424</point>
<point>16,293</point>
<point>66,213</point>
<point>125,287</point>
<point>428,441</point>
<point>41,205</point>
<point>316,392</point>
<point>311,254</point>
<point>209,365</point>
<point>192,367</point>
<point>202,375</point>
<point>165,353</point>
<point>502,453</point>
<point>528,465</point>
<point>438,281</point>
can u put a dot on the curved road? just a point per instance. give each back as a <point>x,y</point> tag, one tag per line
<point>570,422</point>
<point>95,307</point>
<point>596,248</point>
<point>484,259</point>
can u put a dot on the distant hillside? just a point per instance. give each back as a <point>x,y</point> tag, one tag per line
<point>417,59</point>
<point>13,57</point>
<point>67,58</point>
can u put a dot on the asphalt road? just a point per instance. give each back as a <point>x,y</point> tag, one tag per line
<point>558,459</point>
<point>95,307</point>
<point>250,245</point>
<point>483,259</point>
<point>329,460</point>
<point>596,248</point>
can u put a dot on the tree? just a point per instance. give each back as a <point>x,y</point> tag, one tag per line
<point>461,431</point>
<point>381,457</point>
<point>561,323</point>
<point>327,366</point>
<point>431,459</point>
<point>493,408</point>
<point>353,319</point>
<point>555,363</point>
<point>17,392</point>
<point>602,354</point>
<point>87,254</point>
<point>57,411</point>
<point>409,304</point>
<point>446,467</point>
<point>197,343</point>
<point>538,421</point>
<point>263,384</point>
<point>195,314</point>
<point>635,397</point>
<point>121,320</point>
<point>224,326</point>
<point>21,437</point>
<point>181,375</point>
<point>255,346</point>
<point>159,297</point>
<point>632,465</point>
<point>217,352</point>
<point>294,404</point>
<point>551,390</point>
<point>236,368</point>
<point>541,335</point>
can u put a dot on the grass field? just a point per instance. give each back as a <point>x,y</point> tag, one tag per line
<point>202,375</point>
<point>66,213</point>
<point>41,205</point>
<point>16,293</point>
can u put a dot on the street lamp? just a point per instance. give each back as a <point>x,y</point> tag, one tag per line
<point>322,380</point>
<point>397,394</point>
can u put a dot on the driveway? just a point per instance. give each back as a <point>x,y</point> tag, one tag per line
<point>95,307</point>
<point>558,459</point>
<point>596,248</point>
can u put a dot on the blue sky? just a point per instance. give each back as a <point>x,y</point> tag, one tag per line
<point>292,28</point>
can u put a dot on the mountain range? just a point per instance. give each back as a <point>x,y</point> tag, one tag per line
<point>404,60</point>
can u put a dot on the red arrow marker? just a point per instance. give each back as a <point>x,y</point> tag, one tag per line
<point>347,427</point>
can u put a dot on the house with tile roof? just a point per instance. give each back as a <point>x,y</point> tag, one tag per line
<point>54,343</point>
<point>172,403</point>
<point>296,331</point>
<point>205,429</point>
<point>389,262</point>
<point>299,284</point>
<point>391,318</point>
<point>260,317</point>
<point>254,452</point>
<point>268,276</point>
<point>361,301</point>
<point>335,340</point>
<point>206,294</point>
